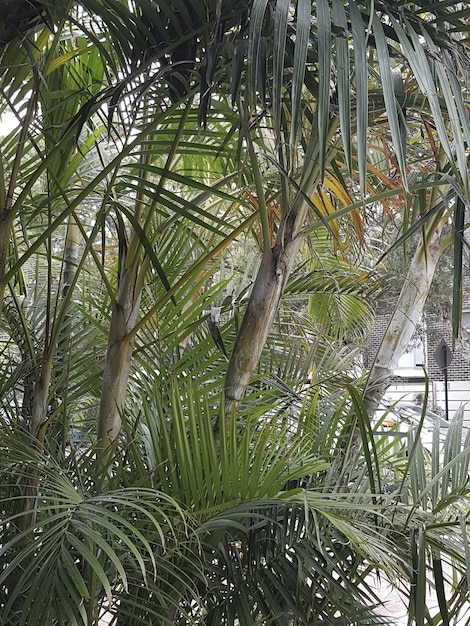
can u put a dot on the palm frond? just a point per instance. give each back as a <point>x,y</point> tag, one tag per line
<point>86,547</point>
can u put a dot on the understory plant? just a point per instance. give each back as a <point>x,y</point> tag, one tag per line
<point>282,520</point>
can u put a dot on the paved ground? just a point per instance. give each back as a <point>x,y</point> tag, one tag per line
<point>394,605</point>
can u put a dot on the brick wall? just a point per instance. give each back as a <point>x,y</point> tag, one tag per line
<point>436,330</point>
<point>459,369</point>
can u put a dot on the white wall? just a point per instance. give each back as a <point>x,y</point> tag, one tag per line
<point>458,393</point>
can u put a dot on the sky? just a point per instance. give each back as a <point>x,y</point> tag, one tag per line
<point>7,123</point>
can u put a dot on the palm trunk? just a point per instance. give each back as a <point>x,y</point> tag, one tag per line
<point>404,319</point>
<point>38,427</point>
<point>118,360</point>
<point>38,424</point>
<point>6,224</point>
<point>70,266</point>
<point>273,273</point>
<point>264,302</point>
<point>71,251</point>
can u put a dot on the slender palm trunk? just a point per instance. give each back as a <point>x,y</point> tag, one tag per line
<point>6,224</point>
<point>118,359</point>
<point>125,314</point>
<point>273,273</point>
<point>264,302</point>
<point>405,317</point>
<point>40,402</point>
<point>71,250</point>
<point>38,427</point>
<point>69,272</point>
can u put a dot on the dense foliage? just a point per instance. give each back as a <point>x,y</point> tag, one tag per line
<point>186,280</point>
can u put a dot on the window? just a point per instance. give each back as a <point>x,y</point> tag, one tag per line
<point>412,362</point>
<point>466,320</point>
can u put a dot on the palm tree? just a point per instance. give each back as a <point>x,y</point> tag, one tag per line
<point>391,33</point>
<point>415,289</point>
<point>195,518</point>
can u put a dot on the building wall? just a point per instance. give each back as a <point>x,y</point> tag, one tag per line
<point>459,369</point>
<point>408,383</point>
